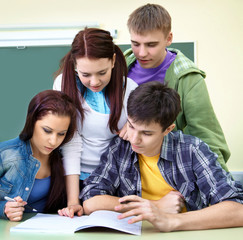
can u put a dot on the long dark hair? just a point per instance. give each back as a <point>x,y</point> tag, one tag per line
<point>96,43</point>
<point>60,104</point>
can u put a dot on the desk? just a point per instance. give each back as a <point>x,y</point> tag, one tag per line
<point>148,233</point>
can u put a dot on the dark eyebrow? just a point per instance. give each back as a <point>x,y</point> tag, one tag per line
<point>145,131</point>
<point>154,42</point>
<point>52,129</point>
<point>63,131</point>
<point>83,72</point>
<point>48,127</point>
<point>148,131</point>
<point>102,70</point>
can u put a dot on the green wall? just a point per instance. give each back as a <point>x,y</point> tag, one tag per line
<point>25,72</point>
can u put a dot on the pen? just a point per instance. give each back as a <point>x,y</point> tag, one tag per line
<point>26,206</point>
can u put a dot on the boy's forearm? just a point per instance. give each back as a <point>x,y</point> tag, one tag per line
<point>100,202</point>
<point>222,215</point>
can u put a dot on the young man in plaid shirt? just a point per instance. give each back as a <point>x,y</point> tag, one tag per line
<point>168,178</point>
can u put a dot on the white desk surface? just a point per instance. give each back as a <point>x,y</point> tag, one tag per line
<point>148,233</point>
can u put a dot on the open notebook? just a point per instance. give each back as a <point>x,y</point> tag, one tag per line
<point>53,223</point>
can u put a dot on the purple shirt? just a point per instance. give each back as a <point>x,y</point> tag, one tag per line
<point>141,75</point>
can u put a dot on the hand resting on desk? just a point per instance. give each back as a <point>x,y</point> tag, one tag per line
<point>71,210</point>
<point>221,215</point>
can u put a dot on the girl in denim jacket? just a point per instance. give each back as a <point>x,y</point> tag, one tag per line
<point>31,169</point>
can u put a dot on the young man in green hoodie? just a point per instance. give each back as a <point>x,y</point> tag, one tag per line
<point>150,59</point>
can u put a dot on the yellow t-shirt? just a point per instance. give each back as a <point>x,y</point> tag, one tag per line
<point>154,186</point>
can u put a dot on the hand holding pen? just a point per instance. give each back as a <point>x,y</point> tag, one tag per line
<point>14,208</point>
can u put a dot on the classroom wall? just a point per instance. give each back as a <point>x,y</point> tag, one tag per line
<point>216,26</point>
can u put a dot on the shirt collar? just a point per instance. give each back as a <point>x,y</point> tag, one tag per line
<point>167,148</point>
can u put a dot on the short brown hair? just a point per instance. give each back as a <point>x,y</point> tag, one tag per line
<point>154,102</point>
<point>148,18</point>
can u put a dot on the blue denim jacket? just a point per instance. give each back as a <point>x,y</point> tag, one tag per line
<point>17,171</point>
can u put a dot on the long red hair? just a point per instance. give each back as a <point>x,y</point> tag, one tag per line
<point>57,103</point>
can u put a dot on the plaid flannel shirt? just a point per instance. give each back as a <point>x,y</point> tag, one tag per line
<point>186,163</point>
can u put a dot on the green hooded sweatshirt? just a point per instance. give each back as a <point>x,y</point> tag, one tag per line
<point>197,117</point>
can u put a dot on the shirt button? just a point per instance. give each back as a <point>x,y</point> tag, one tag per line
<point>37,165</point>
<point>27,189</point>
